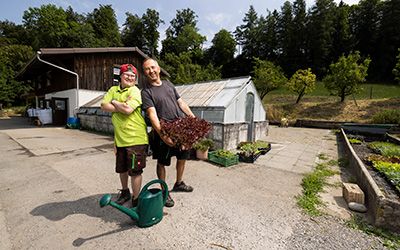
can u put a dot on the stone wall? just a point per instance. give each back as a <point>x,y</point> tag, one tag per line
<point>96,120</point>
<point>384,212</point>
<point>228,136</point>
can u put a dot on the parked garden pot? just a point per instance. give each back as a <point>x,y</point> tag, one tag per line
<point>202,147</point>
<point>202,154</point>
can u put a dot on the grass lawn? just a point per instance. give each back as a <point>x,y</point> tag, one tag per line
<point>319,105</point>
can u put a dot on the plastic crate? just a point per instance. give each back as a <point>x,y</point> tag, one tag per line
<point>225,162</point>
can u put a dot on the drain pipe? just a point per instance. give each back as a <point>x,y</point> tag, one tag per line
<point>66,70</point>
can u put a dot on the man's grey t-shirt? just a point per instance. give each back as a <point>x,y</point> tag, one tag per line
<point>164,99</point>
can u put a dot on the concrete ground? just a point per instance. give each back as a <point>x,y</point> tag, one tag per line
<point>52,178</point>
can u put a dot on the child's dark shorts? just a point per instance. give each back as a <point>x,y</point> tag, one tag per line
<point>162,152</point>
<point>131,159</point>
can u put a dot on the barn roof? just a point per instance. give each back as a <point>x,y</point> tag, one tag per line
<point>218,93</point>
<point>50,53</point>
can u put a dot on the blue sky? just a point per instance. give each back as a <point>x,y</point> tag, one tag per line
<point>213,15</point>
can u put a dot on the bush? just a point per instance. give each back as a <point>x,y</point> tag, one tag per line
<point>389,116</point>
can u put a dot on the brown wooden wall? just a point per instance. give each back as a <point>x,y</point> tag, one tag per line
<point>96,70</point>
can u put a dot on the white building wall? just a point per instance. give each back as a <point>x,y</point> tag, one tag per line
<point>84,97</point>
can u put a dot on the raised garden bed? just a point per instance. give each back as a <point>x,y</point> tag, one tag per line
<point>382,197</point>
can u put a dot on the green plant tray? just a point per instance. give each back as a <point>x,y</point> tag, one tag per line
<point>226,162</point>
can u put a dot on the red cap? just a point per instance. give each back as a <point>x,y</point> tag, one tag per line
<point>127,67</point>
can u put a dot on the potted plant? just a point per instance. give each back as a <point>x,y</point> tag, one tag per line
<point>249,153</point>
<point>202,147</point>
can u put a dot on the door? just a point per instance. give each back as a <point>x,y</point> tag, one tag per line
<point>250,116</point>
<point>60,110</point>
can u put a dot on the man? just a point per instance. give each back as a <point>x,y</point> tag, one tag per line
<point>130,134</point>
<point>162,101</point>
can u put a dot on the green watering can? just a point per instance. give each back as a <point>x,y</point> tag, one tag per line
<point>149,210</point>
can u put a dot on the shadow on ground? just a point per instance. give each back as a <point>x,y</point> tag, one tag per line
<point>89,206</point>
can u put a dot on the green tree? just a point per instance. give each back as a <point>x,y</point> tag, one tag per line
<point>133,32</point>
<point>51,26</point>
<point>389,40</point>
<point>298,36</point>
<point>247,34</point>
<point>302,82</point>
<point>46,26</point>
<point>184,71</point>
<point>105,25</point>
<point>12,59</point>
<point>396,69</point>
<point>223,48</point>
<point>346,74</point>
<point>342,39</point>
<point>182,35</point>
<point>11,33</point>
<point>267,77</point>
<point>80,33</point>
<point>320,35</point>
<point>151,21</point>
<point>365,24</point>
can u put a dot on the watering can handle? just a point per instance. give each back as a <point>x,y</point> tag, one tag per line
<point>164,185</point>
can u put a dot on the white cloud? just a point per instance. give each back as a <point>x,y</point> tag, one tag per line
<point>219,19</point>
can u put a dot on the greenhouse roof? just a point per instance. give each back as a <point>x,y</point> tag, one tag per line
<point>218,93</point>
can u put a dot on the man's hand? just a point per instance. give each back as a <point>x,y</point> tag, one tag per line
<point>167,140</point>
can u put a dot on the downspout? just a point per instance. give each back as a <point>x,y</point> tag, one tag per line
<point>66,70</point>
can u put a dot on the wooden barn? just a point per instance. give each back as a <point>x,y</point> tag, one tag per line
<point>63,79</point>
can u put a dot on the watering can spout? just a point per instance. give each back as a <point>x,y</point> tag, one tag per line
<point>106,200</point>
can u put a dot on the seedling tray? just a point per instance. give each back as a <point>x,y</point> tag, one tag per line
<point>225,162</point>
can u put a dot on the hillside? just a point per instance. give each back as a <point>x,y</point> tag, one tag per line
<point>326,108</point>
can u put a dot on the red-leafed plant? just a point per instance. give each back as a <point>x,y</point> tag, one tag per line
<point>185,131</point>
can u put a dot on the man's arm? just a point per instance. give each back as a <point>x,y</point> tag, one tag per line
<point>122,107</point>
<point>155,122</point>
<point>185,108</point>
<point>116,106</point>
<point>108,107</point>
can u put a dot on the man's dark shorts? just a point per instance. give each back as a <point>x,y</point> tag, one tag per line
<point>162,152</point>
<point>131,159</point>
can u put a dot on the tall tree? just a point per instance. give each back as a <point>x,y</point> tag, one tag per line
<point>320,40</point>
<point>285,38</point>
<point>342,39</point>
<point>389,40</point>
<point>184,71</point>
<point>247,34</point>
<point>11,33</point>
<point>182,35</point>
<point>132,33</point>
<point>396,69</point>
<point>223,48</point>
<point>268,40</point>
<point>151,21</point>
<point>298,36</point>
<point>46,26</point>
<point>105,25</point>
<point>365,22</point>
<point>80,33</point>
<point>12,59</point>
